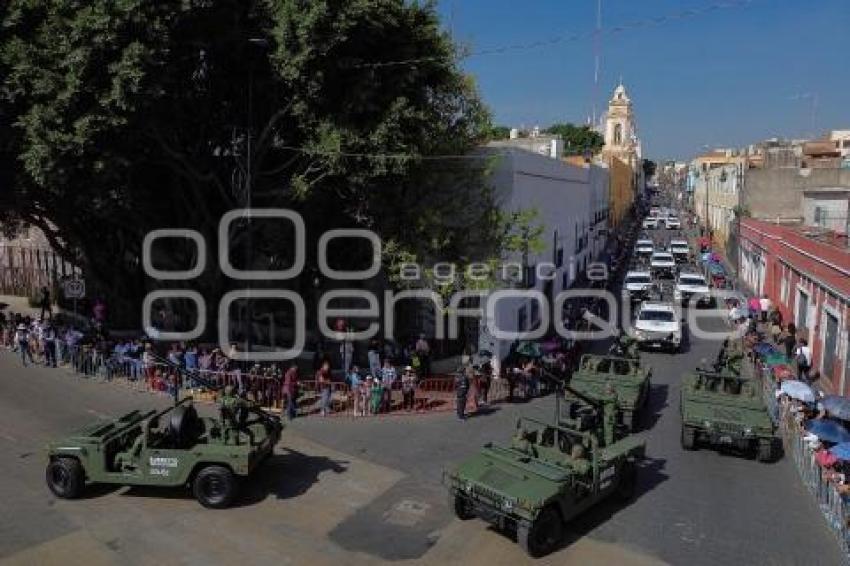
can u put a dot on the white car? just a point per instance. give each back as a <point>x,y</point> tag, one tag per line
<point>692,285</point>
<point>650,222</point>
<point>680,249</point>
<point>644,247</point>
<point>662,264</point>
<point>672,223</point>
<point>636,284</point>
<point>657,326</point>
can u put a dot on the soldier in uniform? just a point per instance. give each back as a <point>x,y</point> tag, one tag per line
<point>229,406</point>
<point>462,382</point>
<point>609,413</point>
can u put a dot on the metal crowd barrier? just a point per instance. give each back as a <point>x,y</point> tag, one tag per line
<point>835,508</point>
<point>433,394</point>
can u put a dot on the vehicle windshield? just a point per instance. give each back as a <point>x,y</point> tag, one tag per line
<point>691,280</point>
<point>637,279</point>
<point>660,316</point>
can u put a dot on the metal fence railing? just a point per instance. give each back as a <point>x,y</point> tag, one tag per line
<point>820,482</point>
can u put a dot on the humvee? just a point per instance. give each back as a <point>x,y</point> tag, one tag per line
<point>631,382</point>
<point>721,408</point>
<point>549,474</point>
<point>171,447</point>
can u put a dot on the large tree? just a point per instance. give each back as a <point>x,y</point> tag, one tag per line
<point>130,115</point>
<point>578,139</point>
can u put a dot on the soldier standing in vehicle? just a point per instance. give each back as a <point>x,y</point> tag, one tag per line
<point>229,405</point>
<point>609,413</point>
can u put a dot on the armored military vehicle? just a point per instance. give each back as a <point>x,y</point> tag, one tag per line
<point>171,447</point>
<point>723,409</point>
<point>549,474</point>
<point>630,381</point>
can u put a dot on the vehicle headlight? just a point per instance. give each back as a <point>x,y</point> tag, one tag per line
<point>640,334</point>
<point>467,487</point>
<point>507,505</point>
<point>706,424</point>
<point>748,431</point>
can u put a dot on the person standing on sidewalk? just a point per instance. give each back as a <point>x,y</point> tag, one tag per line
<point>290,391</point>
<point>323,383</point>
<point>22,340</point>
<point>766,304</point>
<point>462,380</point>
<point>49,345</point>
<point>423,351</point>
<point>804,360</point>
<point>790,340</point>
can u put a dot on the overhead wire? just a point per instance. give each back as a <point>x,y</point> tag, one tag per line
<point>565,38</point>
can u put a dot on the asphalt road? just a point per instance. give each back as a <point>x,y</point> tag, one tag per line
<point>366,491</point>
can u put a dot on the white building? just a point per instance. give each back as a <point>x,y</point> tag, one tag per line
<point>571,202</point>
<point>841,139</point>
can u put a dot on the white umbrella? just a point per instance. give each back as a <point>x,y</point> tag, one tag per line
<point>798,390</point>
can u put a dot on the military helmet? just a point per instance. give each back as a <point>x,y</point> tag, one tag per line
<point>228,389</point>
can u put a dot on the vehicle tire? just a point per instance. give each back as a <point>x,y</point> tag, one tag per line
<point>542,536</point>
<point>214,487</point>
<point>461,507</point>
<point>629,420</point>
<point>628,482</point>
<point>65,477</point>
<point>688,438</point>
<point>765,451</point>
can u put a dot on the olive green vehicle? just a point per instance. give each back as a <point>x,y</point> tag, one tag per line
<point>549,474</point>
<point>630,381</point>
<point>723,409</point>
<point>171,447</point>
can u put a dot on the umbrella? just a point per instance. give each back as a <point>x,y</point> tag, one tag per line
<point>841,451</point>
<point>529,349</point>
<point>827,430</point>
<point>837,406</point>
<point>551,345</point>
<point>763,349</point>
<point>826,458</point>
<point>796,389</point>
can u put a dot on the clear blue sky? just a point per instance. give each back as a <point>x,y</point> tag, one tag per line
<point>725,78</point>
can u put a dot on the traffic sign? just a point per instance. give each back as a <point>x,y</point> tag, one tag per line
<point>74,288</point>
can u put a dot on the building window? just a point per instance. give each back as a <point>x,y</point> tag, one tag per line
<point>618,134</point>
<point>802,310</point>
<point>783,291</point>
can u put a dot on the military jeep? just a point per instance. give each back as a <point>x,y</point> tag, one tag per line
<point>171,447</point>
<point>630,381</point>
<point>549,474</point>
<point>723,409</point>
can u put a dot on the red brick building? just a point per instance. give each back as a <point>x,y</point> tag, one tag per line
<point>806,272</point>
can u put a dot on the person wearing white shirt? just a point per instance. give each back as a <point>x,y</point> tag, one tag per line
<point>766,305</point>
<point>803,355</point>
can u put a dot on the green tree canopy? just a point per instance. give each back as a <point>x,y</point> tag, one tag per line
<point>577,139</point>
<point>128,116</point>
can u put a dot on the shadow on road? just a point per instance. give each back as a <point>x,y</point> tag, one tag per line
<point>283,476</point>
<point>650,475</point>
<point>655,405</point>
